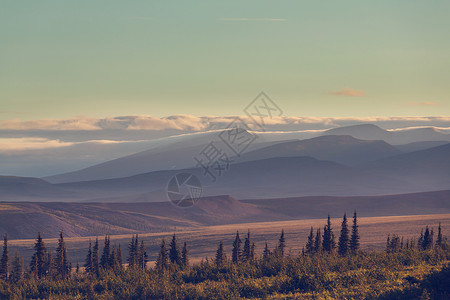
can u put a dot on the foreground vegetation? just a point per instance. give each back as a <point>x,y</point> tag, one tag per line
<point>325,269</point>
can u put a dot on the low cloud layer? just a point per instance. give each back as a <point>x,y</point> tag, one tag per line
<point>252,19</point>
<point>426,103</point>
<point>189,123</point>
<point>348,92</point>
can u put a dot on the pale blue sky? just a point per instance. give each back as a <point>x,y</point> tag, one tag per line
<point>60,59</point>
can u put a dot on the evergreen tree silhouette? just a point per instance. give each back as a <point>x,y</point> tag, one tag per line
<point>185,256</point>
<point>220,255</point>
<point>309,248</point>
<point>95,258</point>
<point>318,241</point>
<point>163,257</point>
<point>16,269</point>
<point>236,252</point>
<point>344,237</point>
<point>328,243</point>
<point>266,252</point>
<point>143,257</point>
<point>247,251</point>
<point>427,239</point>
<point>252,252</point>
<point>354,239</point>
<point>88,261</point>
<point>5,259</point>
<point>61,264</point>
<point>174,251</point>
<point>133,252</point>
<point>105,260</point>
<point>439,239</point>
<point>119,257</point>
<point>38,264</point>
<point>281,245</point>
<point>50,265</point>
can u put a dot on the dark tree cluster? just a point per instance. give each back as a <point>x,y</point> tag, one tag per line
<point>348,242</point>
<point>172,258</point>
<point>425,241</point>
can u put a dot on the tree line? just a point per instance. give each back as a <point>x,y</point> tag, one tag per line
<point>173,256</point>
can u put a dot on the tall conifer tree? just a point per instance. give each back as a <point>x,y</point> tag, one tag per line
<point>95,258</point>
<point>344,237</point>
<point>318,241</point>
<point>220,255</point>
<point>185,256</point>
<point>236,252</point>
<point>38,264</point>
<point>61,263</point>
<point>174,251</point>
<point>309,248</point>
<point>354,239</point>
<point>105,260</point>
<point>163,257</point>
<point>5,259</point>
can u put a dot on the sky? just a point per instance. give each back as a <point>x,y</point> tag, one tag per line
<point>63,59</point>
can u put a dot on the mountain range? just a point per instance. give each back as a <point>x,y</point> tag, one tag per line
<point>338,162</point>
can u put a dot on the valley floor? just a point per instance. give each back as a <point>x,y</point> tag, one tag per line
<point>203,241</point>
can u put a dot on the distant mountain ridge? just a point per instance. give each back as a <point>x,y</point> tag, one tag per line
<point>424,170</point>
<point>393,137</point>
<point>343,149</point>
<point>179,153</point>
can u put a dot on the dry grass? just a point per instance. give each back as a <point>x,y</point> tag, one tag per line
<point>8,207</point>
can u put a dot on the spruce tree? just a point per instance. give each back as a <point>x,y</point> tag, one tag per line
<point>420,241</point>
<point>163,257</point>
<point>427,239</point>
<point>439,239</point>
<point>344,237</point>
<point>236,252</point>
<point>220,255</point>
<point>136,248</point>
<point>185,256</point>
<point>112,257</point>
<point>174,251</point>
<point>38,262</point>
<point>50,265</point>
<point>309,248</point>
<point>16,269</point>
<point>61,264</point>
<point>281,245</point>
<point>266,253</point>
<point>318,241</point>
<point>246,253</point>
<point>5,259</point>
<point>143,257</point>
<point>95,258</point>
<point>88,262</point>
<point>354,239</point>
<point>328,237</point>
<point>388,243</point>
<point>252,252</point>
<point>133,252</point>
<point>119,258</point>
<point>394,244</point>
<point>105,260</point>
